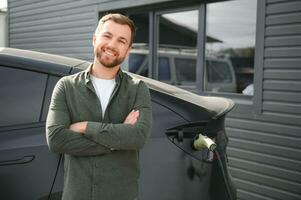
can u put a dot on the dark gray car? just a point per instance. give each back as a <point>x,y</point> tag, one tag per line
<point>171,167</point>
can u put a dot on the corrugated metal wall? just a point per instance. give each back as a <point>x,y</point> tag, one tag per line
<point>60,27</point>
<point>265,148</point>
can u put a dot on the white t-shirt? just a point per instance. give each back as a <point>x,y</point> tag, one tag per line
<point>104,89</point>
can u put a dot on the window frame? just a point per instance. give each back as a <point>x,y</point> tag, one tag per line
<point>155,40</point>
<point>245,104</point>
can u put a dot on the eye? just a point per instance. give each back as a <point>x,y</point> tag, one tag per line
<point>106,36</point>
<point>122,41</point>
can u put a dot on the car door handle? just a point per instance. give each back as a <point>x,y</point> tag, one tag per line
<point>22,160</point>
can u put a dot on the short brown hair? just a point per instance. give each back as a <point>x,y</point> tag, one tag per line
<point>119,19</point>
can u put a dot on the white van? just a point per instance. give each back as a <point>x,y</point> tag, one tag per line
<point>179,68</point>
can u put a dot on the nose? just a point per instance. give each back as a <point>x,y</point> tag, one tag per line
<point>112,43</point>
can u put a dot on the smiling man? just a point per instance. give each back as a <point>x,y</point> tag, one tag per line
<point>100,119</point>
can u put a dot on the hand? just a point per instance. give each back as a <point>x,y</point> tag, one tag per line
<point>132,117</point>
<point>79,127</point>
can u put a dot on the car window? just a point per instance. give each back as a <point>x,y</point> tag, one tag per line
<point>22,94</point>
<point>164,69</point>
<point>185,69</point>
<point>218,72</point>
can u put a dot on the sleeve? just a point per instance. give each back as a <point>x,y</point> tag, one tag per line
<point>60,138</point>
<point>125,136</point>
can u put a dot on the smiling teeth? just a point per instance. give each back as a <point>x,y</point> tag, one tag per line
<point>110,53</point>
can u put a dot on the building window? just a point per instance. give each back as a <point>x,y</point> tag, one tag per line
<point>138,61</point>
<point>222,61</point>
<point>232,25</point>
<point>177,42</point>
<point>164,69</point>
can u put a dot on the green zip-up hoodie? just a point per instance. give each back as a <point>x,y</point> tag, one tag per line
<point>103,163</point>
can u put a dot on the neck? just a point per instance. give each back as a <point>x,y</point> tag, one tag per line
<point>100,71</point>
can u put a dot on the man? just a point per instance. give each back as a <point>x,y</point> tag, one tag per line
<point>100,119</point>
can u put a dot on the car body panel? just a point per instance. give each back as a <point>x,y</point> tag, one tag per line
<point>25,163</point>
<point>170,167</point>
<point>36,61</point>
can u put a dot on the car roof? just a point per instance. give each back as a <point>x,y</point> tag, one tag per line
<point>37,61</point>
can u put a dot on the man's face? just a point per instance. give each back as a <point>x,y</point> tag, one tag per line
<point>112,44</point>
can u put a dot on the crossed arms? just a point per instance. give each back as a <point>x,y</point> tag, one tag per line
<point>90,138</point>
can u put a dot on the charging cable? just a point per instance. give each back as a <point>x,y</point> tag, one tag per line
<point>203,142</point>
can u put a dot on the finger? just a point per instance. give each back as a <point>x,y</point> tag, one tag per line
<point>137,114</point>
<point>131,114</point>
<point>129,121</point>
<point>133,121</point>
<point>132,117</point>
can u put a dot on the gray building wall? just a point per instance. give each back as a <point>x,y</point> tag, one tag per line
<point>60,27</point>
<point>265,137</point>
<point>265,132</point>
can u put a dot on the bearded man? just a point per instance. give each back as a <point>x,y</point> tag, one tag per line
<point>100,118</point>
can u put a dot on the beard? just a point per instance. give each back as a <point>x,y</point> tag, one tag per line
<point>107,62</point>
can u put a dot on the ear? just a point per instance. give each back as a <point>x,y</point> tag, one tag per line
<point>93,40</point>
<point>128,51</point>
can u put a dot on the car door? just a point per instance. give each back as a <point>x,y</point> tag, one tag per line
<point>27,168</point>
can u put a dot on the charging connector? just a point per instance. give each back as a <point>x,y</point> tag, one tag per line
<point>203,142</point>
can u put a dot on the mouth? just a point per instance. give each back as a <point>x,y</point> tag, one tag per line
<point>110,52</point>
